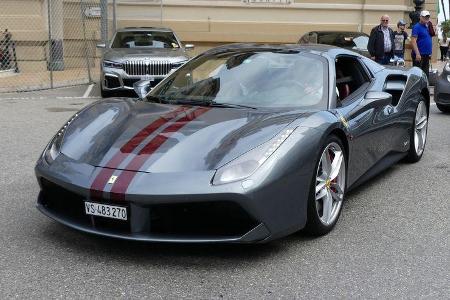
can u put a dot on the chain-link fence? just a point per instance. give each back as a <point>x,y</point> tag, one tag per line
<point>52,43</point>
<point>48,43</point>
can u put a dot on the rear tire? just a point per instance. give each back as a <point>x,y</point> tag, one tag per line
<point>418,136</point>
<point>443,108</point>
<point>327,189</point>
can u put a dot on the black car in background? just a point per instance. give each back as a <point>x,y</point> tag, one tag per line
<point>442,90</point>
<point>355,41</point>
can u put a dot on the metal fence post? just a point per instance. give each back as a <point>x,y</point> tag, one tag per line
<point>50,62</point>
<point>86,52</point>
<point>114,15</point>
<point>104,20</point>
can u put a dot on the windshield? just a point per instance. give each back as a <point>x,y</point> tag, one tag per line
<point>345,40</point>
<point>361,42</point>
<point>256,79</point>
<point>145,39</point>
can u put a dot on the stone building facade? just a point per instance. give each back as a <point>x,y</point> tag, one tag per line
<point>205,23</point>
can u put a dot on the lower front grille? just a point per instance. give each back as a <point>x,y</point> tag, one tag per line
<point>222,218</point>
<point>70,206</point>
<point>130,82</point>
<point>143,67</point>
<point>112,82</point>
<point>215,219</point>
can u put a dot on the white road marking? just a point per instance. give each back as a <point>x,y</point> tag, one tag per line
<point>88,91</point>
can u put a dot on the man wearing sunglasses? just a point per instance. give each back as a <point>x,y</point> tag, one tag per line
<point>381,42</point>
<point>421,42</point>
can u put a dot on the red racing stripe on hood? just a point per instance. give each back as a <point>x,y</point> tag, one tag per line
<point>105,173</point>
<point>123,181</point>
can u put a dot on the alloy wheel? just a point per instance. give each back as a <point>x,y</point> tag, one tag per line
<point>330,183</point>
<point>420,128</point>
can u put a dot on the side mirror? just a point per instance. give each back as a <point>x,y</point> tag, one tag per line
<point>376,99</point>
<point>189,47</point>
<point>101,46</point>
<point>141,88</point>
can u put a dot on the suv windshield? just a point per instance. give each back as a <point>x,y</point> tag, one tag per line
<point>145,39</point>
<point>250,78</point>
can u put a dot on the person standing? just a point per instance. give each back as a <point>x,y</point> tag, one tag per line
<point>443,45</point>
<point>381,42</point>
<point>421,42</point>
<point>400,37</point>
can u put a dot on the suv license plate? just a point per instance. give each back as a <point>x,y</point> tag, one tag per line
<point>107,211</point>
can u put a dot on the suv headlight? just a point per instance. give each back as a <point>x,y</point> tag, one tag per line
<point>54,147</point>
<point>111,64</point>
<point>246,164</point>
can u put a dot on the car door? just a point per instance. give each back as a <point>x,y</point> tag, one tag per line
<point>368,127</point>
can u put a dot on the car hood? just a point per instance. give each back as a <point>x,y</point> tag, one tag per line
<point>123,54</point>
<point>149,137</point>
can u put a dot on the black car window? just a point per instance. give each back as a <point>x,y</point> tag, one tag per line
<point>145,39</point>
<point>350,76</point>
<point>353,40</point>
<point>361,42</point>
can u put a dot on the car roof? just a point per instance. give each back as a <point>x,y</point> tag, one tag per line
<point>163,29</point>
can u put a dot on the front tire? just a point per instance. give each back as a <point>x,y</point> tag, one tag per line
<point>419,131</point>
<point>327,188</point>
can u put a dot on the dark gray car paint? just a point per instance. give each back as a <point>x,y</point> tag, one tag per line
<point>277,199</point>
<point>442,89</point>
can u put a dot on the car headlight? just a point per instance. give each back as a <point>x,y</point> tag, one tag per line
<point>111,64</point>
<point>245,165</point>
<point>54,147</point>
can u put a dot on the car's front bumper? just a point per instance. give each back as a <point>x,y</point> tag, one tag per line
<point>176,207</point>
<point>442,90</point>
<point>114,79</point>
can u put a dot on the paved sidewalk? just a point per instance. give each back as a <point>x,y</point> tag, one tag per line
<point>19,82</point>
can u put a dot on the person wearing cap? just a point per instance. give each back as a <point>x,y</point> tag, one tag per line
<point>400,37</point>
<point>421,42</point>
<point>381,42</point>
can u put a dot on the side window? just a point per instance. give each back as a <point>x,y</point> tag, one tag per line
<point>350,76</point>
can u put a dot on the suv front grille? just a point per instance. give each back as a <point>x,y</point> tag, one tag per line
<point>143,67</point>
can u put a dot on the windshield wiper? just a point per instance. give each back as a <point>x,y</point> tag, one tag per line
<point>230,105</point>
<point>209,103</point>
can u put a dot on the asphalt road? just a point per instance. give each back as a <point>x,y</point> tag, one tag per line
<point>392,241</point>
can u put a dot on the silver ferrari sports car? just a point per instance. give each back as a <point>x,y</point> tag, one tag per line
<point>244,143</point>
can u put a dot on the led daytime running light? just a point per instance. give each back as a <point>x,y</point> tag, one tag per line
<point>277,143</point>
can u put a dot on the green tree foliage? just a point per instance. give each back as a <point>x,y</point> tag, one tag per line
<point>445,27</point>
